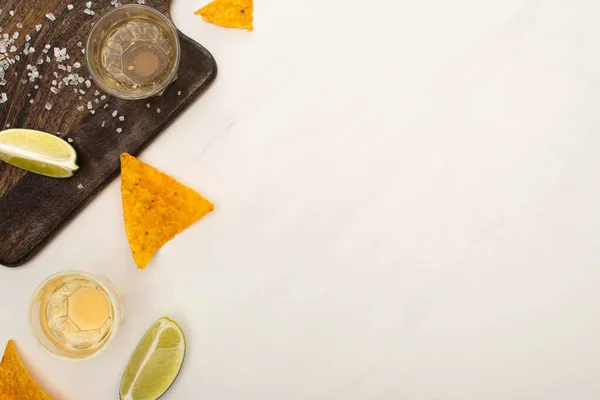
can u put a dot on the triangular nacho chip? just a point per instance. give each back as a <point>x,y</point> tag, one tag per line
<point>156,208</point>
<point>229,13</point>
<point>15,382</point>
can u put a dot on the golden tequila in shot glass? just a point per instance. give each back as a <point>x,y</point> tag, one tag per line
<point>75,314</point>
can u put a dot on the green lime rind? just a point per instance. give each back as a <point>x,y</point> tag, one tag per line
<point>155,363</point>
<point>38,152</point>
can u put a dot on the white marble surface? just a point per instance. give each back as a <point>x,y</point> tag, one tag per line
<point>407,207</point>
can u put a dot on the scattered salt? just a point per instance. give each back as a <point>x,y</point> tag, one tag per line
<point>70,141</point>
<point>158,110</point>
<point>103,123</point>
<point>3,98</point>
<point>81,91</point>
<point>148,105</point>
<point>38,27</point>
<point>16,35</point>
<point>76,65</point>
<point>19,25</point>
<point>48,106</point>
<point>88,4</point>
<point>80,186</point>
<point>12,13</point>
<point>8,125</point>
<point>121,118</point>
<point>54,82</point>
<point>119,130</point>
<point>88,11</point>
<point>89,105</point>
<point>31,101</point>
<point>88,84</point>
<point>102,97</point>
<point>79,44</point>
<point>96,93</point>
<point>27,38</point>
<point>92,112</point>
<point>51,17</point>
<point>54,90</point>
<point>70,7</point>
<point>105,106</point>
<point>36,87</point>
<point>179,93</point>
<point>114,114</point>
<point>80,108</point>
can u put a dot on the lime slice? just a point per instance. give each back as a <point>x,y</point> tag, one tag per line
<point>155,363</point>
<point>38,152</point>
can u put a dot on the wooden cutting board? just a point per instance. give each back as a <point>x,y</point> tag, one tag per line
<point>33,208</point>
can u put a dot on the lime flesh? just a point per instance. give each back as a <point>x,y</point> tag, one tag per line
<point>38,152</point>
<point>155,363</point>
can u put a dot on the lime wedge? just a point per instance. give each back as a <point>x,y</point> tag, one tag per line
<point>155,363</point>
<point>38,152</point>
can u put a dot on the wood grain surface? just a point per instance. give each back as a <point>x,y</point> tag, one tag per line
<point>33,208</point>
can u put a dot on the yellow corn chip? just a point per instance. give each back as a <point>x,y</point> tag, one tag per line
<point>156,208</point>
<point>15,382</point>
<point>229,13</point>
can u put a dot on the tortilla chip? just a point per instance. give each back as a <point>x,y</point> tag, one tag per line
<point>229,13</point>
<point>156,208</point>
<point>15,382</point>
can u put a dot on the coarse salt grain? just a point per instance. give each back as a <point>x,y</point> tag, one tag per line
<point>102,97</point>
<point>19,25</point>
<point>76,65</point>
<point>31,101</point>
<point>80,108</point>
<point>148,105</point>
<point>70,7</point>
<point>16,35</point>
<point>179,93</point>
<point>81,91</point>
<point>105,106</point>
<point>96,93</point>
<point>114,114</point>
<point>12,13</point>
<point>88,11</point>
<point>3,98</point>
<point>48,106</point>
<point>54,90</point>
<point>89,105</point>
<point>119,130</point>
<point>51,17</point>
<point>80,186</point>
<point>92,112</point>
<point>158,110</point>
<point>103,123</point>
<point>69,140</point>
<point>27,38</point>
<point>38,27</point>
<point>88,4</point>
<point>121,118</point>
<point>88,84</point>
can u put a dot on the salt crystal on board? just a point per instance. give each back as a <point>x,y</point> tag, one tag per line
<point>51,17</point>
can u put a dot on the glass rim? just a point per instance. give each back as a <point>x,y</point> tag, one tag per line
<point>113,303</point>
<point>157,89</point>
